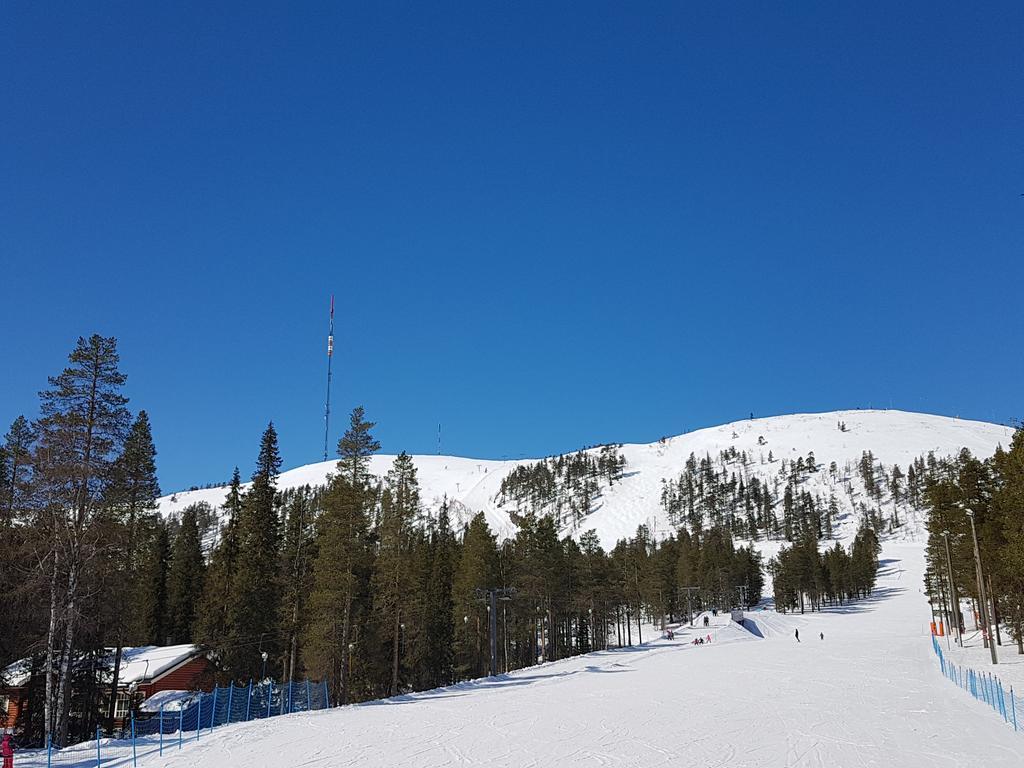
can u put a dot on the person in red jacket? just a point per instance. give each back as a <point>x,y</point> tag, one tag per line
<point>7,751</point>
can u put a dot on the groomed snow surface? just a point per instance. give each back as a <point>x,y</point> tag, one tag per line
<point>869,694</point>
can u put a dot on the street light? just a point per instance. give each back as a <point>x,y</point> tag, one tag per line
<point>689,605</point>
<point>491,596</point>
<point>981,588</point>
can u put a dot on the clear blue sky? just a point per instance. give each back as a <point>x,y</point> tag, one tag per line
<point>547,225</point>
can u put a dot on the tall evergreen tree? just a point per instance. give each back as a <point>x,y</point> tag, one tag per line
<point>212,622</point>
<point>153,582</point>
<point>297,554</point>
<point>477,569</point>
<point>15,469</point>
<point>342,557</point>
<point>436,658</point>
<point>185,579</point>
<point>80,433</point>
<point>129,520</point>
<point>252,613</point>
<point>400,508</point>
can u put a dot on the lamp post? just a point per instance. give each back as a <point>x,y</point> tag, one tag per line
<point>689,604</point>
<point>954,598</point>
<point>263,655</point>
<point>491,596</point>
<point>981,588</point>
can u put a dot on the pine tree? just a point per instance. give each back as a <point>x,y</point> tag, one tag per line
<point>1007,504</point>
<point>831,516</point>
<point>184,579</point>
<point>15,469</point>
<point>81,430</point>
<point>20,585</point>
<point>896,491</point>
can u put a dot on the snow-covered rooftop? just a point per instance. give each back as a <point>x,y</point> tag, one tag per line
<point>138,664</point>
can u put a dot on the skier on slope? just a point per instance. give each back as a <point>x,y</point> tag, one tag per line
<point>821,635</point>
<point>796,634</point>
<point>7,751</point>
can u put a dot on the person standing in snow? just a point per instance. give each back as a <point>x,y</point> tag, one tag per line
<point>796,634</point>
<point>7,751</point>
<point>821,635</point>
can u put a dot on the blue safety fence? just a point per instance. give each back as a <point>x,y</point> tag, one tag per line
<point>983,686</point>
<point>177,725</point>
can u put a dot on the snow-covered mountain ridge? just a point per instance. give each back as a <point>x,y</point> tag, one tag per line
<point>893,437</point>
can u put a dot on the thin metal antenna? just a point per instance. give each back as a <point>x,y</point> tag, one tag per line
<point>330,357</point>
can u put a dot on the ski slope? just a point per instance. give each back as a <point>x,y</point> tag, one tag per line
<point>869,694</point>
<point>894,437</point>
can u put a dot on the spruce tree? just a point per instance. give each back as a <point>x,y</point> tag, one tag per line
<point>339,571</point>
<point>477,569</point>
<point>152,610</point>
<point>437,658</point>
<point>212,622</point>
<point>252,613</point>
<point>134,487</point>
<point>129,519</point>
<point>390,585</point>
<point>185,579</point>
<point>297,553</point>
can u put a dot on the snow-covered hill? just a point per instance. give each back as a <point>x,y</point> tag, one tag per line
<point>894,437</point>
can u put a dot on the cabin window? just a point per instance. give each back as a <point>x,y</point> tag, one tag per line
<point>123,706</point>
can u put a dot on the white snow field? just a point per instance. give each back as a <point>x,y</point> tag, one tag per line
<point>471,485</point>
<point>869,694</point>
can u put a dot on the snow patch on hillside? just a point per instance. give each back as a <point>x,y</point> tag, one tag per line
<point>894,437</point>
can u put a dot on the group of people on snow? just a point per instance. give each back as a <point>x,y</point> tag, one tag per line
<point>796,634</point>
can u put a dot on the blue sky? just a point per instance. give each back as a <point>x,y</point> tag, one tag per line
<point>545,227</point>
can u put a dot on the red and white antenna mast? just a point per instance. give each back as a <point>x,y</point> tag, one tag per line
<point>330,356</point>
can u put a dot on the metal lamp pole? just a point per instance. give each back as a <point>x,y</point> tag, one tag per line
<point>689,604</point>
<point>491,596</point>
<point>954,598</point>
<point>981,588</point>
